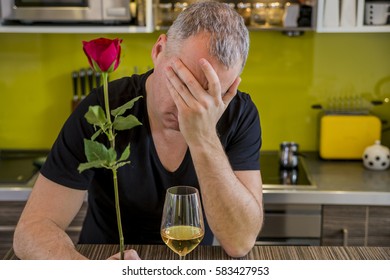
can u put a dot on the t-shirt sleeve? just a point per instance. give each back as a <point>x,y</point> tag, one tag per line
<point>243,147</point>
<point>68,150</point>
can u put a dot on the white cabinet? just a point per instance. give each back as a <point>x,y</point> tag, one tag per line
<point>331,12</point>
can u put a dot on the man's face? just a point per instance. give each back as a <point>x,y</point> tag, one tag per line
<point>190,52</point>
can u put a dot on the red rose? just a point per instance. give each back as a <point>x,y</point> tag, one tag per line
<point>103,54</point>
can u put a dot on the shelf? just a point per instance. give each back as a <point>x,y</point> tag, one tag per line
<point>357,29</point>
<point>360,27</point>
<point>279,28</point>
<point>317,22</point>
<point>259,28</point>
<point>80,29</point>
<point>75,29</point>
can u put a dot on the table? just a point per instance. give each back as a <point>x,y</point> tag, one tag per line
<point>162,252</point>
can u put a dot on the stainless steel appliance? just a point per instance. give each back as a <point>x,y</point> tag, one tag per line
<point>288,224</point>
<point>98,11</point>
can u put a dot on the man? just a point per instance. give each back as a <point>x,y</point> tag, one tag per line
<point>197,130</point>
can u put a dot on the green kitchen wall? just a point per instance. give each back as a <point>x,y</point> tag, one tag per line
<point>284,76</point>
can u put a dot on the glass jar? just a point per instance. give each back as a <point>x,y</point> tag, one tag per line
<point>275,13</point>
<point>165,14</point>
<point>231,5</point>
<point>178,8</point>
<point>245,10</point>
<point>259,13</point>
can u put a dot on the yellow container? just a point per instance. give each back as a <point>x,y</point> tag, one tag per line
<point>346,136</point>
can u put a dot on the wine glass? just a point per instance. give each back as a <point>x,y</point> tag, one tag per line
<point>182,226</point>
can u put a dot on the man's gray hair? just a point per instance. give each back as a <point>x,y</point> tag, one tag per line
<point>229,38</point>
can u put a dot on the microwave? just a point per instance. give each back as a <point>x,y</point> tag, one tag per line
<point>66,11</point>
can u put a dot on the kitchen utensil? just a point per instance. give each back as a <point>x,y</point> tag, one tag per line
<point>76,97</point>
<point>82,76</point>
<point>346,136</point>
<point>98,79</point>
<point>376,157</point>
<point>377,13</point>
<point>90,79</point>
<point>288,155</point>
<point>75,77</point>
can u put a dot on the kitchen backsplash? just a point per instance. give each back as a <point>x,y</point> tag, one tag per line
<point>284,76</point>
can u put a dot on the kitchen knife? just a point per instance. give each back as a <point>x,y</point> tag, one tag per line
<point>98,78</point>
<point>90,79</point>
<point>82,74</point>
<point>75,77</point>
<point>76,97</point>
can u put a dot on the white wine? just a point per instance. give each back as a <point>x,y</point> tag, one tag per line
<point>182,239</point>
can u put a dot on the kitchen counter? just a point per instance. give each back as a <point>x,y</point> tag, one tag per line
<point>333,182</point>
<point>162,252</point>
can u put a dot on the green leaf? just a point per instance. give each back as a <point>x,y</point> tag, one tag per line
<point>112,67</point>
<point>126,153</point>
<point>123,123</point>
<point>96,116</point>
<point>121,109</point>
<point>95,151</point>
<point>87,165</point>
<point>96,66</point>
<point>120,164</point>
<point>111,156</point>
<point>96,134</point>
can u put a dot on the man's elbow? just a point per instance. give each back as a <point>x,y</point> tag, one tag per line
<point>19,241</point>
<point>240,249</point>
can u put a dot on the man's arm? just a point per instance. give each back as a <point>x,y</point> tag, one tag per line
<point>40,233</point>
<point>232,200</point>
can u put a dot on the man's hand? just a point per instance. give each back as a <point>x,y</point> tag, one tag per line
<point>129,255</point>
<point>199,107</point>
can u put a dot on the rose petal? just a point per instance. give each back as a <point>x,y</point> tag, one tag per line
<point>104,52</point>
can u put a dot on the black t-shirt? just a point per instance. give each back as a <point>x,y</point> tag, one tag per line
<point>143,182</point>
